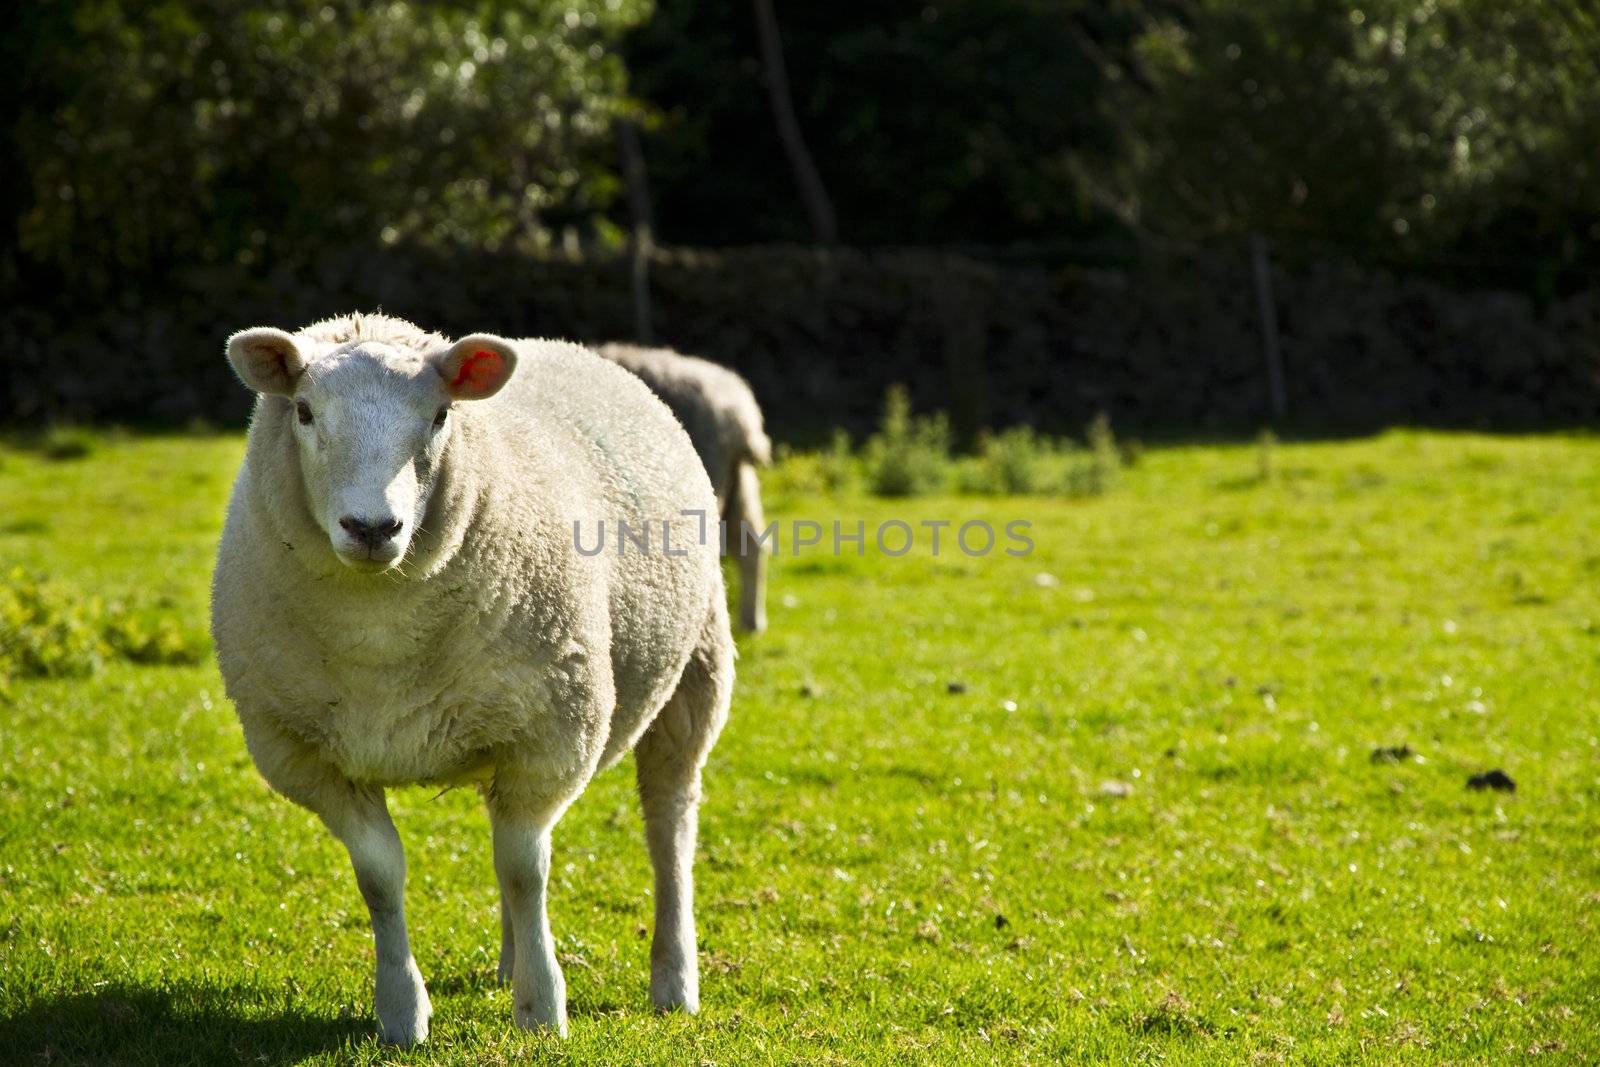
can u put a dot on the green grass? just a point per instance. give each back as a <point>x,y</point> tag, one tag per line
<point>891,871</point>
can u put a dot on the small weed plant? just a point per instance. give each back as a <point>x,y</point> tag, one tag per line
<point>910,454</point>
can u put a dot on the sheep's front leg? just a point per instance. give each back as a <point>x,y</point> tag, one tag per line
<point>527,950</point>
<point>358,816</point>
<point>364,828</point>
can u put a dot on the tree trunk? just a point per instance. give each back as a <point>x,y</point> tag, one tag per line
<point>818,207</point>
<point>641,238</point>
<point>1267,306</point>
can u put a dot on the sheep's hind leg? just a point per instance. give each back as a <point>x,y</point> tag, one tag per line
<point>668,759</point>
<point>508,945</point>
<point>527,949</point>
<point>747,515</point>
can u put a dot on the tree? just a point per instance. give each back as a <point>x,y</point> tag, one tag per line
<point>198,131</point>
<point>1446,133</point>
<point>978,121</point>
<point>819,208</point>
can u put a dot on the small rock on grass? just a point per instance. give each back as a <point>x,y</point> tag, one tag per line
<point>1114,788</point>
<point>1497,780</point>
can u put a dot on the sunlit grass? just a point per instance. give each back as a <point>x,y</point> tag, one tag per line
<point>1111,802</point>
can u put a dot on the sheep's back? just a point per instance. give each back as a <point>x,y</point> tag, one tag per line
<point>588,446</point>
<point>715,405</point>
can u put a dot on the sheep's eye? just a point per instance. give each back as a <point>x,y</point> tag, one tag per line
<point>438,420</point>
<point>302,410</point>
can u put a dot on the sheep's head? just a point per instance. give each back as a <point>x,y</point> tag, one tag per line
<point>371,423</point>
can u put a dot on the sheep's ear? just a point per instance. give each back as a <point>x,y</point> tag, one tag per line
<point>266,360</point>
<point>476,367</point>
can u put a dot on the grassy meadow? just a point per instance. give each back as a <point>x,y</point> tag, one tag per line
<point>1118,801</point>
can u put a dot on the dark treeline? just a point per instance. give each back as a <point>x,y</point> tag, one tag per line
<point>1397,131</point>
<point>1455,137</point>
<point>148,144</point>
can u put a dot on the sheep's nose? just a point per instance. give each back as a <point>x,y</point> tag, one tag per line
<point>371,532</point>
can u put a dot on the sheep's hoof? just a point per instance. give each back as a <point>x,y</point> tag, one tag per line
<point>541,1021</point>
<point>403,1007</point>
<point>675,994</point>
<point>414,1033</point>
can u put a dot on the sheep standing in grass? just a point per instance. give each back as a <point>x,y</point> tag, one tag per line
<point>398,599</point>
<point>724,422</point>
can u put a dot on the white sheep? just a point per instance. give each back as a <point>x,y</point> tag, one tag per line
<point>724,421</point>
<point>397,600</point>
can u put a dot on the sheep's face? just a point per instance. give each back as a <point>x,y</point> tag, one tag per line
<point>370,425</point>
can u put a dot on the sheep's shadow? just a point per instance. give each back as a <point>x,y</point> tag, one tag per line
<point>173,1023</point>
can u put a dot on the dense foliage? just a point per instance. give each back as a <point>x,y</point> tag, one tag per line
<point>1449,135</point>
<point>954,121</point>
<point>204,131</point>
<point>1454,135</point>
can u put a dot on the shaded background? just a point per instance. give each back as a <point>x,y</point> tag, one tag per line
<point>1195,215</point>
